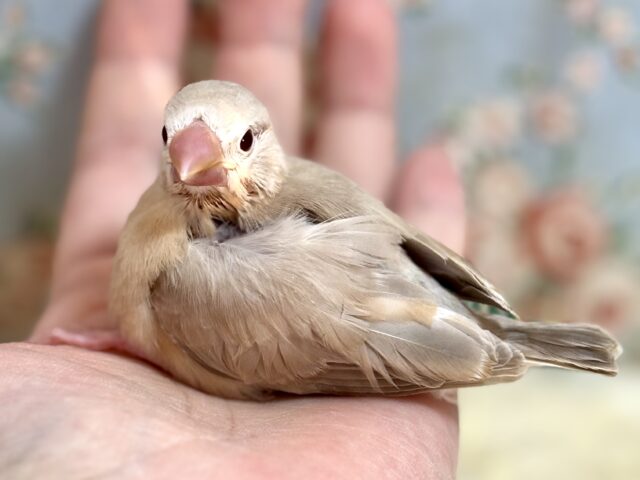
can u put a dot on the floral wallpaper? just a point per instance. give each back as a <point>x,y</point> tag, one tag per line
<point>561,245</point>
<point>23,57</point>
<point>25,260</point>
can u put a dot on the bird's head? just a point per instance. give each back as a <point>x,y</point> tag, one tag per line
<point>220,147</point>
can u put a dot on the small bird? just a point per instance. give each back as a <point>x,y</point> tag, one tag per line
<point>244,272</point>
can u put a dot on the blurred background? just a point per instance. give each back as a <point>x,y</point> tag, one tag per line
<point>537,102</point>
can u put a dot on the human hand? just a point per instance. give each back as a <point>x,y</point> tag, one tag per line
<point>75,413</point>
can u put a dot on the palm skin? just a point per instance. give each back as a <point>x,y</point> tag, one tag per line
<point>82,414</point>
<point>72,413</point>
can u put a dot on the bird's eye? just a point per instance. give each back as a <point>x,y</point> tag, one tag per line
<point>164,135</point>
<point>247,141</point>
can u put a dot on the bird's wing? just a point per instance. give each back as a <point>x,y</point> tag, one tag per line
<point>325,195</point>
<point>452,271</point>
<point>305,308</point>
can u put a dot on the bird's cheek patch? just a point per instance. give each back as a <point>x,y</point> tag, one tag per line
<point>235,183</point>
<point>240,173</point>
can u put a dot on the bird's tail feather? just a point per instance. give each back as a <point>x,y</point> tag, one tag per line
<point>574,346</point>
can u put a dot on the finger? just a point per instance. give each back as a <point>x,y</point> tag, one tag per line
<point>358,59</point>
<point>135,72</point>
<point>134,75</point>
<point>430,195</point>
<point>260,47</point>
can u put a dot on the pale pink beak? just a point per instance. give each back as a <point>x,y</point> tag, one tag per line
<point>196,156</point>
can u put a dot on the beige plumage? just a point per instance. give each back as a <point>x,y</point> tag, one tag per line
<point>243,272</point>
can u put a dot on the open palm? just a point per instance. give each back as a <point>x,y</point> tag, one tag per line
<point>71,413</point>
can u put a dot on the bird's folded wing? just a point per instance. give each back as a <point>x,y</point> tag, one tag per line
<point>305,308</point>
<point>325,195</point>
<point>452,271</point>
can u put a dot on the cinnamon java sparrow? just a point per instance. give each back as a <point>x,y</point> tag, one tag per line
<point>244,272</point>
